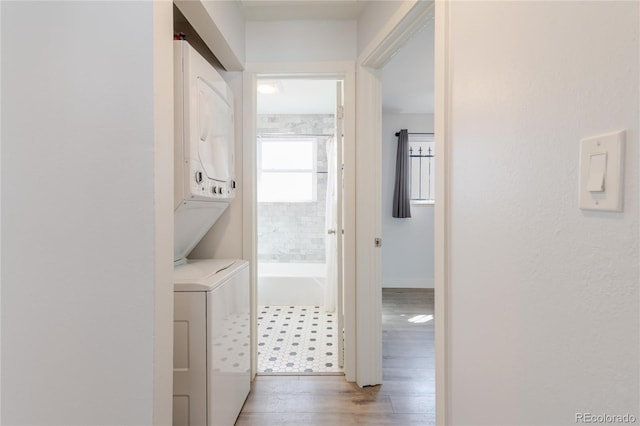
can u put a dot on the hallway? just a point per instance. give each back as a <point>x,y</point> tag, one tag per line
<point>406,397</point>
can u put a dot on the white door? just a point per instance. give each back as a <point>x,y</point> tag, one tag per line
<point>339,216</point>
<point>334,300</point>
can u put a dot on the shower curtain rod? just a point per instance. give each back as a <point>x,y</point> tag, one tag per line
<point>398,133</point>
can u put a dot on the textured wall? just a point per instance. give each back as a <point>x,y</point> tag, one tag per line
<point>295,232</point>
<point>544,300</point>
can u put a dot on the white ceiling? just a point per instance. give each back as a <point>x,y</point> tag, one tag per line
<point>269,10</point>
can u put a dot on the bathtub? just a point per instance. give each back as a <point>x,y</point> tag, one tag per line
<point>291,283</point>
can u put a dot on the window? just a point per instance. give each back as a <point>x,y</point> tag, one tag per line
<point>287,170</point>
<point>422,168</point>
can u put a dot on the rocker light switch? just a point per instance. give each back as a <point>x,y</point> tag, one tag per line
<point>597,171</point>
<point>601,172</point>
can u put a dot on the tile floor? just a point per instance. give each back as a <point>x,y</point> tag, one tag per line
<point>297,339</point>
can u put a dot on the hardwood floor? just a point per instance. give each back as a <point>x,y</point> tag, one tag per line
<point>406,397</point>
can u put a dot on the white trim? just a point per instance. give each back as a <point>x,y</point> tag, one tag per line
<point>249,205</point>
<point>1,232</point>
<point>408,283</point>
<point>408,19</point>
<point>423,202</point>
<point>441,222</point>
<point>163,212</point>
<point>346,71</point>
<point>349,225</point>
<point>368,227</point>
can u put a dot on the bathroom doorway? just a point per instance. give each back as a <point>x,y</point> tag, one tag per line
<point>299,142</point>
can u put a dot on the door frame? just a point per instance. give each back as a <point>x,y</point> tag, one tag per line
<point>410,17</point>
<point>346,72</point>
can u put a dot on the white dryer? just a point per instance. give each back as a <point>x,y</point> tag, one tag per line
<point>212,358</point>
<point>204,165</point>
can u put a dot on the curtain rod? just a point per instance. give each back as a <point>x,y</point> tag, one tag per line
<point>398,133</point>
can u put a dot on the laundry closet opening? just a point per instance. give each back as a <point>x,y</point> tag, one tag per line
<point>299,225</point>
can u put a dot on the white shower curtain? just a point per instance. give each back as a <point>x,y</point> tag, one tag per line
<point>331,240</point>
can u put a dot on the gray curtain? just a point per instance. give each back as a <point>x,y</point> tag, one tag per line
<point>401,195</point>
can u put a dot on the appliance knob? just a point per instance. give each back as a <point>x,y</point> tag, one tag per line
<point>213,189</point>
<point>199,177</point>
<point>233,184</point>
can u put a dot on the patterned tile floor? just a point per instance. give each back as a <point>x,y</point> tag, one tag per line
<point>297,339</point>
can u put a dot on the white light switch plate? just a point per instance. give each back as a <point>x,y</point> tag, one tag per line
<point>602,161</point>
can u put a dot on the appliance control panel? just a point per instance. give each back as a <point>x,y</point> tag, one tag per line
<point>202,187</point>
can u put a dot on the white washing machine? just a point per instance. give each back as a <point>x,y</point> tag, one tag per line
<point>212,357</point>
<point>211,329</point>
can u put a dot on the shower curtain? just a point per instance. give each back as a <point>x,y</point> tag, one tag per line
<point>331,240</point>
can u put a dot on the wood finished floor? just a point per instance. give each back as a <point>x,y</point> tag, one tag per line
<point>406,397</point>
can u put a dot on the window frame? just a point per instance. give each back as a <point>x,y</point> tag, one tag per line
<point>429,140</point>
<point>313,170</point>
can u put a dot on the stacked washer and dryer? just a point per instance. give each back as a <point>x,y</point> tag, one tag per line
<point>211,376</point>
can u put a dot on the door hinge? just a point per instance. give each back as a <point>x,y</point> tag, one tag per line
<point>340,112</point>
<point>378,242</point>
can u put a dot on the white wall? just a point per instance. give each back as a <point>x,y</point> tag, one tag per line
<point>301,41</point>
<point>227,16</point>
<point>544,300</point>
<point>78,218</point>
<point>374,17</point>
<point>407,79</point>
<point>407,244</point>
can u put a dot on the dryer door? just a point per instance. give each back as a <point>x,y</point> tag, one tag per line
<point>215,133</point>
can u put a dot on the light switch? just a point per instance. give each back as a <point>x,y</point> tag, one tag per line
<point>601,172</point>
<point>597,170</point>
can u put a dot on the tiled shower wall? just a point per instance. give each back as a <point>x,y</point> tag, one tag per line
<point>295,232</point>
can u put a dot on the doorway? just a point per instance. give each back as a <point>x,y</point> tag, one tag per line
<point>369,143</point>
<point>408,272</point>
<point>299,222</point>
